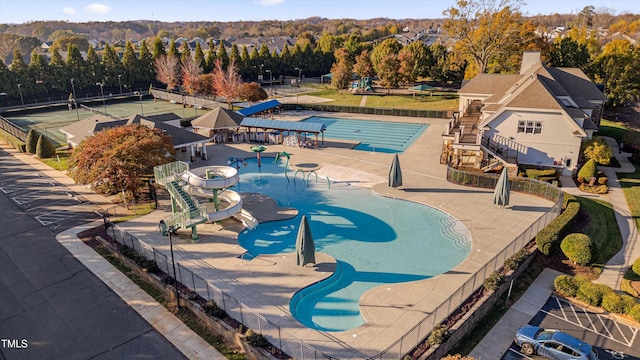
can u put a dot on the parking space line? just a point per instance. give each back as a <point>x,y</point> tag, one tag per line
<point>519,353</point>
<point>573,309</point>
<point>58,215</point>
<point>620,331</point>
<point>590,321</point>
<point>561,307</point>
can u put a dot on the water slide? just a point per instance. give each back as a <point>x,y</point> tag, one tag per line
<point>221,178</point>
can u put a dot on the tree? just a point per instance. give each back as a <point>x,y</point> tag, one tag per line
<point>191,70</point>
<point>482,29</point>
<point>145,64</point>
<point>342,70</point>
<point>616,68</point>
<point>422,57</point>
<point>389,71</point>
<point>158,48</point>
<point>226,83</point>
<point>115,159</point>
<point>185,51</point>
<point>31,141</point>
<point>567,52</point>
<point>388,46</point>
<point>63,42</point>
<point>252,92</point>
<point>363,66</point>
<point>167,68</point>
<point>407,68</point>
<point>222,55</point>
<point>112,66</point>
<point>598,150</point>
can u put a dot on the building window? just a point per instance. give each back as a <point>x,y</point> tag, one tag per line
<point>530,127</point>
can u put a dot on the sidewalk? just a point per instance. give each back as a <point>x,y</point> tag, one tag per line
<point>500,337</point>
<point>615,268</point>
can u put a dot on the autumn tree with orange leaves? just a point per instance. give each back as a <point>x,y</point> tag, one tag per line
<point>226,83</point>
<point>117,158</point>
<point>191,70</point>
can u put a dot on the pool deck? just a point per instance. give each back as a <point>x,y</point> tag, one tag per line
<point>266,283</point>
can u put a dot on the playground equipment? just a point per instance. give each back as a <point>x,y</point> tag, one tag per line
<point>258,149</point>
<point>362,85</point>
<point>212,183</point>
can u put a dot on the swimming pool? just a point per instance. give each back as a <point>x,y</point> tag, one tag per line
<point>379,136</point>
<point>375,240</point>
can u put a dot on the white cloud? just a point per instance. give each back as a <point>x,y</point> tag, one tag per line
<point>97,9</point>
<point>69,10</point>
<point>268,2</point>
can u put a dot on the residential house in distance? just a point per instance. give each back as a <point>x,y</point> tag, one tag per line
<point>538,117</point>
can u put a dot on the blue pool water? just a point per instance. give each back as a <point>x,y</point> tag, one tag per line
<point>375,240</point>
<point>379,136</point>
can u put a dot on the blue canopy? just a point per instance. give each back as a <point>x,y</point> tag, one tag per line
<point>298,126</point>
<point>258,108</point>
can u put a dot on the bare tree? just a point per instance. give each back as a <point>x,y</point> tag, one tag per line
<point>167,70</point>
<point>226,83</point>
<point>191,70</point>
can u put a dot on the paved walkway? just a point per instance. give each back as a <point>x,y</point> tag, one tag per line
<point>363,101</point>
<point>615,268</point>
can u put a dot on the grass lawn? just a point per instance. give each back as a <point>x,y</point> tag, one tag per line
<point>613,129</point>
<point>602,229</point>
<point>439,101</point>
<point>60,161</point>
<point>630,183</point>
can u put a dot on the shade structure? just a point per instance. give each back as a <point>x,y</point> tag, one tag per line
<point>395,174</point>
<point>218,118</point>
<point>501,192</point>
<point>305,247</point>
<point>422,87</point>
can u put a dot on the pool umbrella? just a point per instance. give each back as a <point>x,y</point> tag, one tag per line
<point>395,174</point>
<point>501,193</point>
<point>305,248</point>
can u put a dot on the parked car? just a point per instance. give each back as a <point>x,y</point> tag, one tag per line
<point>553,344</point>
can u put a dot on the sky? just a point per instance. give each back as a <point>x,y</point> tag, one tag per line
<point>21,11</point>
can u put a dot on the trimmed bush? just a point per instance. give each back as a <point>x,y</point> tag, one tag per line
<point>493,281</point>
<point>603,180</point>
<point>437,335</point>
<point>568,285</point>
<point>592,293</point>
<point>588,170</point>
<point>44,148</point>
<point>636,266</point>
<point>31,142</point>
<point>547,238</point>
<point>635,313</point>
<point>613,303</point>
<point>628,302</point>
<point>537,174</point>
<point>578,248</point>
<point>516,259</point>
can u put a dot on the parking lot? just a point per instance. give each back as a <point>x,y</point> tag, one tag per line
<point>611,339</point>
<point>53,205</point>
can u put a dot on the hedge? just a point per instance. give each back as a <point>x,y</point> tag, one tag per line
<point>547,238</point>
<point>588,170</point>
<point>537,174</point>
<point>13,141</point>
<point>636,266</point>
<point>592,293</point>
<point>578,248</point>
<point>568,285</point>
<point>635,312</point>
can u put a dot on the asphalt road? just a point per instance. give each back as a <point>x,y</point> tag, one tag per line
<point>611,339</point>
<point>51,306</point>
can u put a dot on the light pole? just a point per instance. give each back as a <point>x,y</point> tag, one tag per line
<point>120,84</point>
<point>20,90</point>
<point>270,81</point>
<point>299,75</point>
<point>140,94</point>
<point>170,230</point>
<point>101,84</point>
<point>75,102</point>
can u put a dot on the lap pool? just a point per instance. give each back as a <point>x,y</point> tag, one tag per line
<point>375,240</point>
<point>378,136</point>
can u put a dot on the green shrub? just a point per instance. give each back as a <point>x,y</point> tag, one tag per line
<point>547,238</point>
<point>588,170</point>
<point>578,248</point>
<point>628,302</point>
<point>537,174</point>
<point>625,285</point>
<point>603,180</point>
<point>256,339</point>
<point>636,266</point>
<point>568,285</point>
<point>437,335</point>
<point>598,150</point>
<point>44,148</point>
<point>592,293</point>
<point>32,141</point>
<point>635,313</point>
<point>613,303</point>
<point>493,281</point>
<point>212,309</point>
<point>516,259</point>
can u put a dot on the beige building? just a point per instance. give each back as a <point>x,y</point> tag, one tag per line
<point>538,117</point>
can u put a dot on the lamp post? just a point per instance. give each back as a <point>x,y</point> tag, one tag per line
<point>20,90</point>
<point>299,75</point>
<point>101,84</point>
<point>170,230</point>
<point>75,102</point>
<point>270,81</point>
<point>120,84</point>
<point>140,94</point>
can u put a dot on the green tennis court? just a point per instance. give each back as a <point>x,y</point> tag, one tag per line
<point>48,122</point>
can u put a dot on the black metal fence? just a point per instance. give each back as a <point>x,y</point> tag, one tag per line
<point>440,114</point>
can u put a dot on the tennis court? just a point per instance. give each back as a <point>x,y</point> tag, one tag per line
<point>49,122</point>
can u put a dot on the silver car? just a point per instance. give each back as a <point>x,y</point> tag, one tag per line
<point>553,344</point>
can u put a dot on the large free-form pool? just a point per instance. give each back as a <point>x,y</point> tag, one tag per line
<point>375,240</point>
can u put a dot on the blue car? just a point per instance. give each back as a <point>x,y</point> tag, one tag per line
<point>553,344</point>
